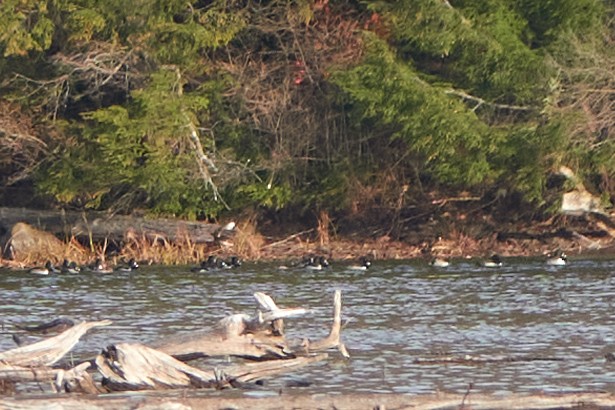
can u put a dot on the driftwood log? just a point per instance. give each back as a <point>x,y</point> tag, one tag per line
<point>99,226</point>
<point>257,338</point>
<point>260,337</point>
<point>130,367</point>
<point>48,351</point>
<point>137,367</point>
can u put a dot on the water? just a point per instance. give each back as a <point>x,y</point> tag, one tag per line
<point>395,313</point>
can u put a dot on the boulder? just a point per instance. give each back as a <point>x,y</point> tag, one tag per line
<point>26,243</point>
<point>579,202</point>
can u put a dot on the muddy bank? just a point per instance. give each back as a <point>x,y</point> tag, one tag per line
<point>594,401</point>
<point>450,238</point>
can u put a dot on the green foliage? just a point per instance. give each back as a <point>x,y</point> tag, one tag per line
<point>466,94</point>
<point>25,27</point>
<point>478,45</point>
<point>144,146</point>
<point>265,194</point>
<point>437,127</point>
<point>549,19</point>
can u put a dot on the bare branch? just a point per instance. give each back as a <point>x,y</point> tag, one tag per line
<point>481,101</point>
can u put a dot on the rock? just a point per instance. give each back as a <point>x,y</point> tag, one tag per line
<point>580,202</point>
<point>27,244</point>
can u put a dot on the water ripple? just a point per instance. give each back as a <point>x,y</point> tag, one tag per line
<point>395,313</point>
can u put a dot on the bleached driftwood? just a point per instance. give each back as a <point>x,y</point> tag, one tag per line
<point>138,367</point>
<point>253,371</point>
<point>76,380</point>
<point>26,374</point>
<point>128,366</point>
<point>258,337</point>
<point>49,351</point>
<point>334,338</point>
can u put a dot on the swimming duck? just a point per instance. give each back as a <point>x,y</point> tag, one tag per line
<point>364,264</point>
<point>439,263</point>
<point>560,260</point>
<point>99,267</point>
<point>70,267</point>
<point>493,262</point>
<point>132,265</point>
<point>202,268</point>
<point>46,270</point>
<point>233,262</point>
<point>315,262</point>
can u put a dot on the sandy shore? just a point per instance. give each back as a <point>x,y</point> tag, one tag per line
<point>598,400</point>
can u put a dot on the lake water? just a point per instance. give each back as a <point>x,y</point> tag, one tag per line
<point>397,314</point>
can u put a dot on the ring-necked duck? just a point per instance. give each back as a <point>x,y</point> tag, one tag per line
<point>439,263</point>
<point>560,260</point>
<point>233,262</point>
<point>46,270</point>
<point>315,262</point>
<point>364,264</point>
<point>493,262</point>
<point>99,267</point>
<point>202,268</point>
<point>132,265</point>
<point>70,267</point>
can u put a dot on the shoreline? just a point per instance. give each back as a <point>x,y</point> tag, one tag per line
<point>441,401</point>
<point>576,237</point>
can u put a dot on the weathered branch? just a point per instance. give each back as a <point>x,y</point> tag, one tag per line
<point>99,226</point>
<point>481,101</point>
<point>136,367</point>
<point>334,338</point>
<point>49,351</point>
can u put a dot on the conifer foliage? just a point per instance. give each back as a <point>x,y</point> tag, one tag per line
<point>198,108</point>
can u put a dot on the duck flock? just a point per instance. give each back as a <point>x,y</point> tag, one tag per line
<point>308,262</point>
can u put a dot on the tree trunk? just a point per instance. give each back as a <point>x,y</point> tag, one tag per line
<point>98,226</point>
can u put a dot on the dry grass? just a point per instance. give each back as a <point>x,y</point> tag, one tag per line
<point>324,222</point>
<point>247,242</point>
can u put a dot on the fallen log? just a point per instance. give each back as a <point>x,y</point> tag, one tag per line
<point>100,226</point>
<point>138,367</point>
<point>254,371</point>
<point>259,337</point>
<point>26,374</point>
<point>128,367</point>
<point>73,380</point>
<point>49,351</point>
<point>76,380</point>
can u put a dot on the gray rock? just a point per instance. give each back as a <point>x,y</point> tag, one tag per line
<point>28,243</point>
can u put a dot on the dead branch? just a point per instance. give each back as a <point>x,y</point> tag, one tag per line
<point>128,366</point>
<point>254,371</point>
<point>255,337</point>
<point>480,101</point>
<point>136,367</point>
<point>49,351</point>
<point>334,339</point>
